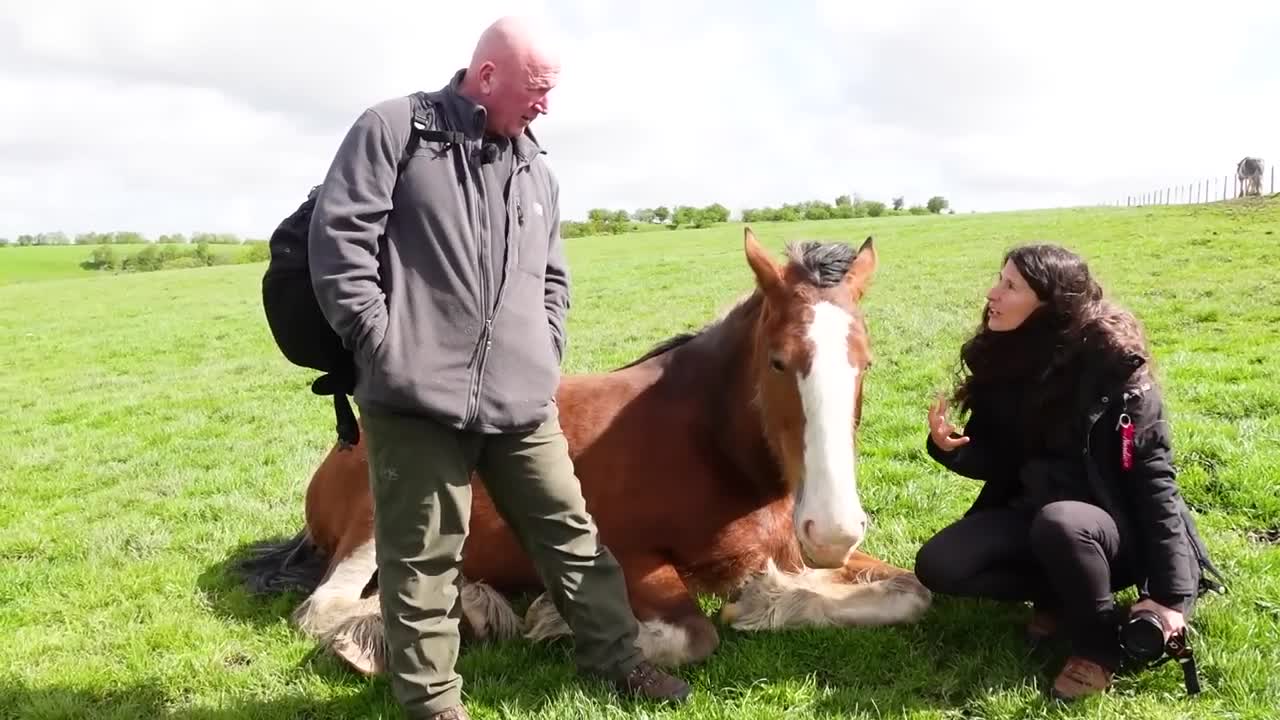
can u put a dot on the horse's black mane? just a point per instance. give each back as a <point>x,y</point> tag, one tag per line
<point>667,345</point>
<point>824,263</point>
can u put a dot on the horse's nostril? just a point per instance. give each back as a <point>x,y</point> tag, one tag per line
<point>807,528</point>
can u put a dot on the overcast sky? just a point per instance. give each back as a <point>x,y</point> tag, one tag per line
<point>219,115</point>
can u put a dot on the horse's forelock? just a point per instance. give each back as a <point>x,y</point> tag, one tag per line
<point>824,264</point>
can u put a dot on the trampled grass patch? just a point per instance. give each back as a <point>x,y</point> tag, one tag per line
<point>151,430</point>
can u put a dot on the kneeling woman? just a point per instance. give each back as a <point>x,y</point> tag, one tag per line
<point>1067,431</point>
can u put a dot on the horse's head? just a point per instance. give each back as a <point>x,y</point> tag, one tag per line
<point>811,353</point>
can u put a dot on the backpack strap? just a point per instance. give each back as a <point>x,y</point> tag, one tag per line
<point>422,127</point>
<point>339,384</point>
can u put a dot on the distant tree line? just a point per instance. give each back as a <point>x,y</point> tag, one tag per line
<point>166,252</point>
<point>602,221</point>
<point>845,207</point>
<point>172,256</point>
<point>125,238</point>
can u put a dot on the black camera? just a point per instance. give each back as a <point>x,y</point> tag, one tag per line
<point>1145,639</point>
<point>1143,636</point>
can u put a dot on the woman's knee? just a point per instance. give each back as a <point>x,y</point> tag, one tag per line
<point>935,566</point>
<point>1068,523</point>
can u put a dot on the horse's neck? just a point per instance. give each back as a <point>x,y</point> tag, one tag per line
<point>740,434</point>
<point>712,374</point>
<point>742,438</point>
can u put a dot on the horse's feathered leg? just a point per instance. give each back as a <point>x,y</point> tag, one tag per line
<point>330,614</point>
<point>862,593</point>
<point>673,630</point>
<point>359,638</point>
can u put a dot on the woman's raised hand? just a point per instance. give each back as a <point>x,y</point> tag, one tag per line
<point>941,429</point>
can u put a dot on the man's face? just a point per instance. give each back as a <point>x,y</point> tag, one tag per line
<point>518,94</point>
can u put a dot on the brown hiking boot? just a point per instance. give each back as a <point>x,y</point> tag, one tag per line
<point>648,682</point>
<point>457,712</point>
<point>1080,678</point>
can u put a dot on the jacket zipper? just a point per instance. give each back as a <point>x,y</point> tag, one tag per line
<point>486,333</point>
<point>477,355</point>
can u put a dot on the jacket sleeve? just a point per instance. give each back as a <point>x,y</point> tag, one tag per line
<point>1153,494</point>
<point>556,288</point>
<point>982,458</point>
<point>349,218</point>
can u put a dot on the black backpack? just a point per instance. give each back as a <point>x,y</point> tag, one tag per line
<point>293,314</point>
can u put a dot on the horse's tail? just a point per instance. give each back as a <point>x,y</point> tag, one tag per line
<point>277,566</point>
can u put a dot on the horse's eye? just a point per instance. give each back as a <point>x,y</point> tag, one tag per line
<point>776,363</point>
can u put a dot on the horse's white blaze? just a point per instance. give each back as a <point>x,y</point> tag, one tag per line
<point>829,517</point>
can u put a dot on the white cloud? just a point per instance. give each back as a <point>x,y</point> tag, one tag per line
<point>181,117</point>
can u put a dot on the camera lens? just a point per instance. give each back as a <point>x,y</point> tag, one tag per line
<point>1143,637</point>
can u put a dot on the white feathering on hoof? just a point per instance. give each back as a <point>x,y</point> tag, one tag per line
<point>543,622</point>
<point>821,598</point>
<point>360,641</point>
<point>664,644</point>
<point>661,643</point>
<point>489,614</point>
<point>337,600</point>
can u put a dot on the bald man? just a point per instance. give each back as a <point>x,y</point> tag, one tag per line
<point>446,278</point>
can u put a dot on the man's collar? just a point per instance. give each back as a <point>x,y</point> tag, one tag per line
<point>471,116</point>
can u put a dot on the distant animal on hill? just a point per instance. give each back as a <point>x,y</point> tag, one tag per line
<point>1249,176</point>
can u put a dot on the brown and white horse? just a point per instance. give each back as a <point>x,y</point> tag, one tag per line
<point>722,462</point>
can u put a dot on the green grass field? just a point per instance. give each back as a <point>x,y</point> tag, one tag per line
<point>151,431</point>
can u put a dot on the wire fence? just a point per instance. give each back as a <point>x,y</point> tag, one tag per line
<point>1203,191</point>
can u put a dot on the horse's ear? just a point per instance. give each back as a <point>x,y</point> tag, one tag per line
<point>861,269</point>
<point>768,274</point>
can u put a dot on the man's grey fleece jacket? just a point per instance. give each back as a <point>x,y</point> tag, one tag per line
<point>452,298</point>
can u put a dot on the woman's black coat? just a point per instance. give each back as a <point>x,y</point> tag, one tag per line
<point>1170,557</point>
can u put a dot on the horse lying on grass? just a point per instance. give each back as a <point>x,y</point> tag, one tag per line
<point>721,462</point>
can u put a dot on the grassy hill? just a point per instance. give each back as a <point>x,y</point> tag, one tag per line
<point>151,430</point>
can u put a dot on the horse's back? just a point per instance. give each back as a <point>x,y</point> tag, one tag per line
<point>339,506</point>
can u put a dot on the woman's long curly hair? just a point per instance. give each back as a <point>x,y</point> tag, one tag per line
<point>1046,353</point>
